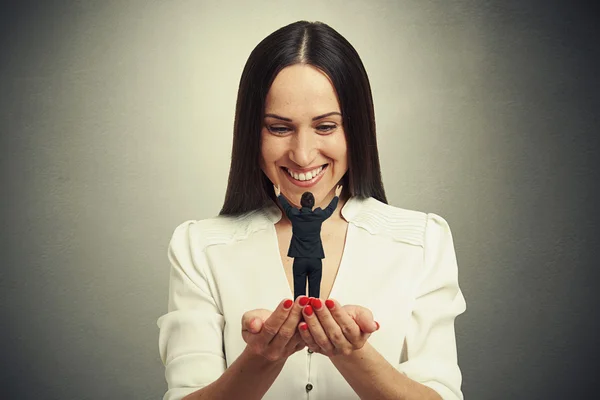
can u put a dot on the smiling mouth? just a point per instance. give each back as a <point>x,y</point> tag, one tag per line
<point>306,177</point>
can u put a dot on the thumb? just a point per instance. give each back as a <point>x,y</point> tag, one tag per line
<point>252,322</point>
<point>366,322</point>
<point>255,325</point>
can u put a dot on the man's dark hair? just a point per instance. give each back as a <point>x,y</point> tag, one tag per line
<point>318,45</point>
<point>307,200</point>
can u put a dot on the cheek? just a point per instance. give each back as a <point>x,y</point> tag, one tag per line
<point>270,152</point>
<point>341,150</point>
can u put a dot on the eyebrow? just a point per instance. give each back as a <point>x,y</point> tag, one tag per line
<point>314,119</point>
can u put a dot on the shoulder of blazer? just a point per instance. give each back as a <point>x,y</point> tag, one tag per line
<point>226,229</point>
<point>400,224</point>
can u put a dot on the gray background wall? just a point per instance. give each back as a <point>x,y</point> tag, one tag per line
<point>116,120</point>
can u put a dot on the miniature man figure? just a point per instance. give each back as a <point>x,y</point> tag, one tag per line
<point>306,246</point>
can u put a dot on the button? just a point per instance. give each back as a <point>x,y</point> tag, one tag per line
<point>310,351</point>
<point>309,387</point>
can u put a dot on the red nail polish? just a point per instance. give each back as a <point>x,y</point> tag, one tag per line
<point>303,301</point>
<point>330,304</point>
<point>304,326</point>
<point>287,304</point>
<point>308,310</point>
<point>316,303</point>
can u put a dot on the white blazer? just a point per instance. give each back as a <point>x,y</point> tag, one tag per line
<point>400,264</point>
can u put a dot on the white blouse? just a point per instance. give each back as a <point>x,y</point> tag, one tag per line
<point>398,263</point>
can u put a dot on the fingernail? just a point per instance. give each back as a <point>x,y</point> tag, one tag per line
<point>316,303</point>
<point>377,323</point>
<point>308,310</point>
<point>287,304</point>
<point>330,304</point>
<point>304,326</point>
<point>303,301</point>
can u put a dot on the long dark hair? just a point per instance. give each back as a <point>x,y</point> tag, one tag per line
<point>319,45</point>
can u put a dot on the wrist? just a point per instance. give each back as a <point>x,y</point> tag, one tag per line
<point>260,362</point>
<point>356,354</point>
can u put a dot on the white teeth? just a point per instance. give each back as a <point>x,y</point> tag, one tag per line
<point>305,176</point>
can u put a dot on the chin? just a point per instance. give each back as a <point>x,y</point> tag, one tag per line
<point>321,185</point>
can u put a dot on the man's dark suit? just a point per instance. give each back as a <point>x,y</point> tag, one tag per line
<point>306,246</point>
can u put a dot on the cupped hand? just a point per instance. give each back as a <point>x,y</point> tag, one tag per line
<point>274,335</point>
<point>332,329</point>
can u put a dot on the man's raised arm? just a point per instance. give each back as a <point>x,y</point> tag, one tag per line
<point>289,210</point>
<point>331,207</point>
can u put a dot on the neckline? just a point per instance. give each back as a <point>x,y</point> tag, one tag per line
<point>349,211</point>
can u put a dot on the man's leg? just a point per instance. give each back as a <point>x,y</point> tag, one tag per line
<point>314,277</point>
<point>300,270</point>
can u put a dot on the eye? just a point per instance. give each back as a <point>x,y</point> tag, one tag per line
<point>326,128</point>
<point>278,130</point>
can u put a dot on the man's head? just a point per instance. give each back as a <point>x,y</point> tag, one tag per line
<point>307,200</point>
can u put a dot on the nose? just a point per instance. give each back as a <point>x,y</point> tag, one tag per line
<point>304,148</point>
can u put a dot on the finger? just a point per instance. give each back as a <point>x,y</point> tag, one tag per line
<point>271,326</point>
<point>254,327</point>
<point>330,325</point>
<point>307,337</point>
<point>252,320</point>
<point>364,319</point>
<point>296,343</point>
<point>299,346</point>
<point>296,312</point>
<point>288,328</point>
<point>316,330</point>
<point>350,329</point>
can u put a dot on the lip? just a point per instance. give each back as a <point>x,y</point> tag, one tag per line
<point>305,170</point>
<point>305,184</point>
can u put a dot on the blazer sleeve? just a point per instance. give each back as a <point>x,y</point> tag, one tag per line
<point>191,332</point>
<point>326,213</point>
<point>430,344</point>
<point>289,210</point>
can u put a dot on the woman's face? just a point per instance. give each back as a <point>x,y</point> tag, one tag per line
<point>303,141</point>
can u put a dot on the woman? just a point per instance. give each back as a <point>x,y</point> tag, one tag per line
<point>305,121</point>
